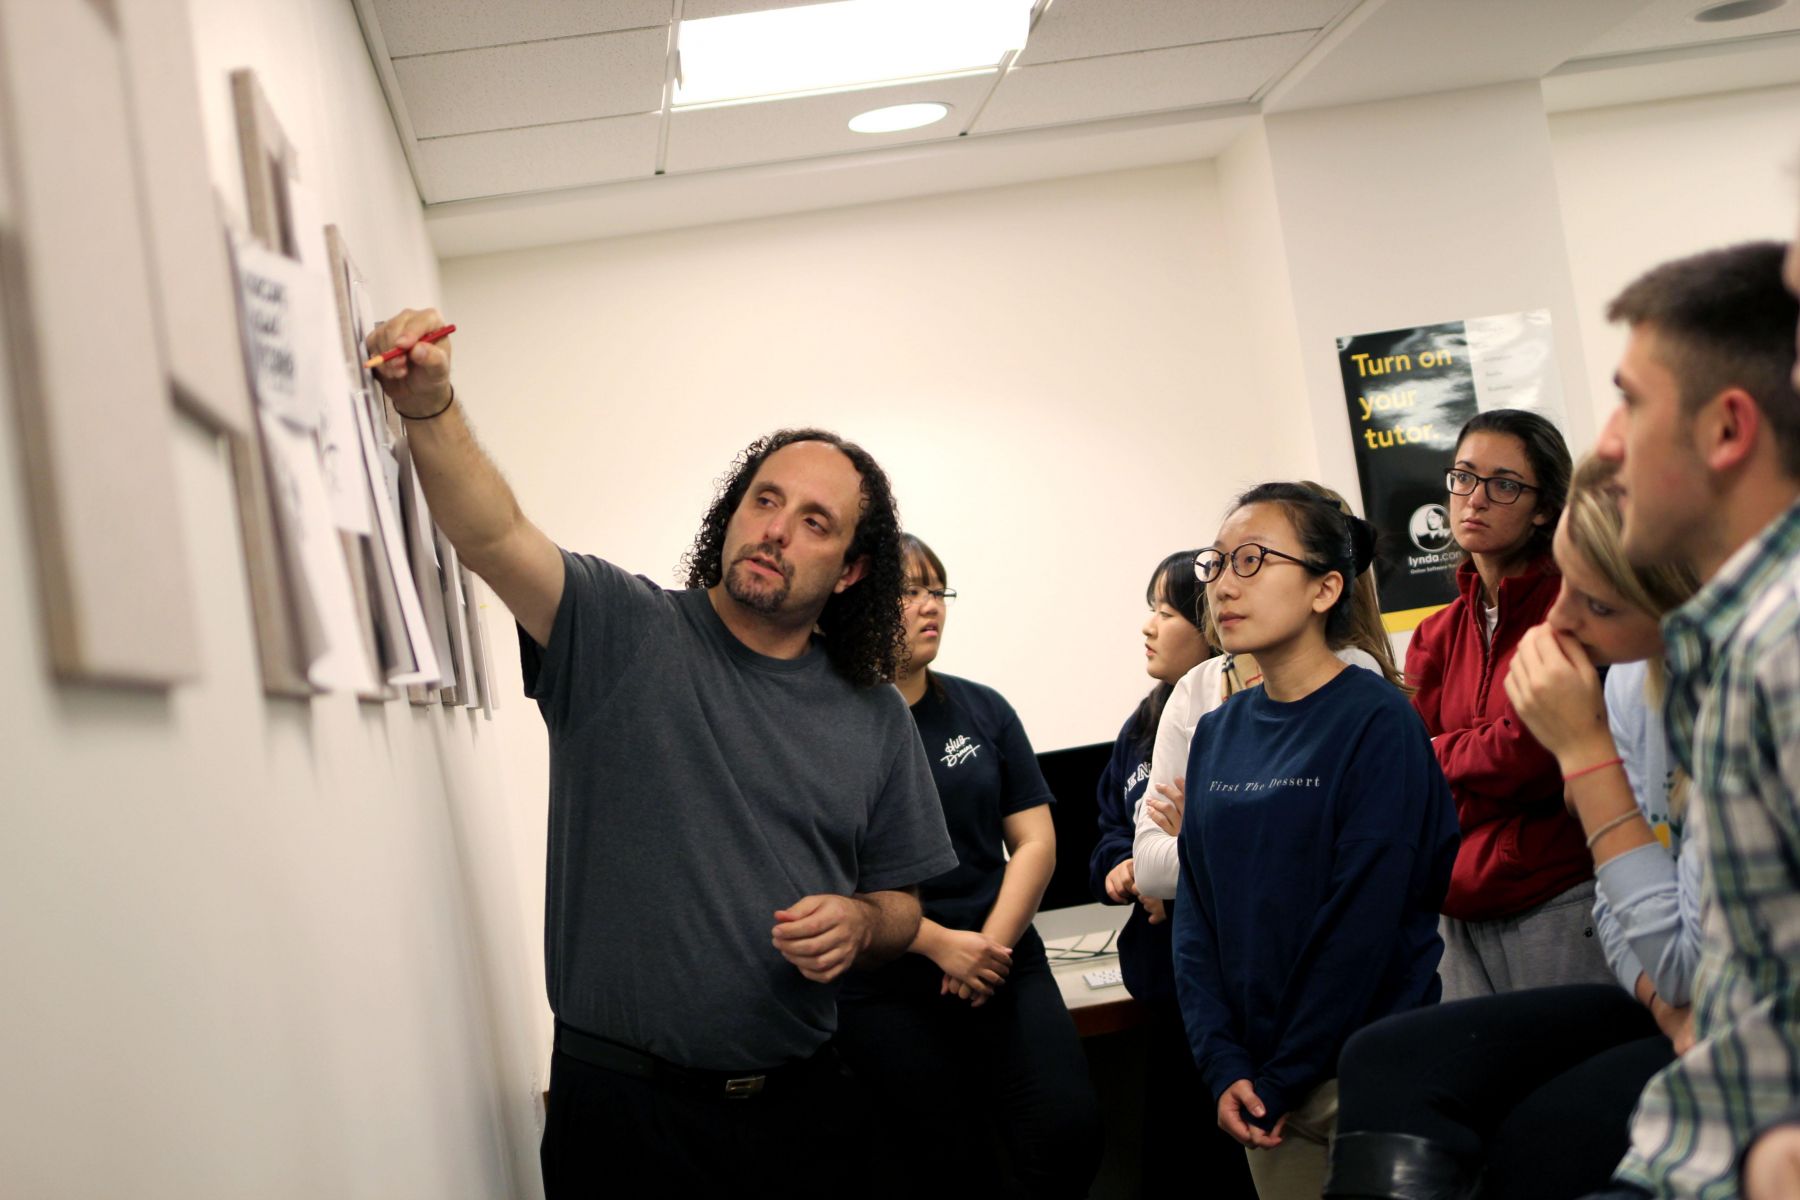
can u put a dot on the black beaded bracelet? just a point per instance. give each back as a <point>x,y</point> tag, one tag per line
<point>440,412</point>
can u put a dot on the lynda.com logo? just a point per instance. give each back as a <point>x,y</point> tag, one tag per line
<point>1430,528</point>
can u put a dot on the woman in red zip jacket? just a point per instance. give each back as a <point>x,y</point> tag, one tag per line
<point>1519,912</point>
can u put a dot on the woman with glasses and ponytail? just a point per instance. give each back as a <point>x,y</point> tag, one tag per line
<point>965,1039</point>
<point>1316,844</point>
<point>1519,913</point>
<point>1176,1113</point>
<point>1362,642</point>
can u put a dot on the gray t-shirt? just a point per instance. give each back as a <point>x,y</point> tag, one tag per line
<point>695,788</point>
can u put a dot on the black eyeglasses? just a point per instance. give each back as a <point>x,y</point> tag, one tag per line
<point>1500,489</point>
<point>916,595</point>
<point>1245,561</point>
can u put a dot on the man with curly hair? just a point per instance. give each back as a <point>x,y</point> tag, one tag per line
<point>740,808</point>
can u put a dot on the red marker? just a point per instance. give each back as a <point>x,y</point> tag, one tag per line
<point>443,331</point>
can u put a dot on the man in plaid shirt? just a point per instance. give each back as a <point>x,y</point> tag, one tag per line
<point>1707,436</point>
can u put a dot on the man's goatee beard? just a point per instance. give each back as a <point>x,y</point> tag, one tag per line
<point>766,603</point>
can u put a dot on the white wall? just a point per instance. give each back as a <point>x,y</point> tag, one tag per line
<point>251,947</point>
<point>1067,378</point>
<point>1409,212</point>
<point>1644,183</point>
<point>1259,255</point>
<point>1054,375</point>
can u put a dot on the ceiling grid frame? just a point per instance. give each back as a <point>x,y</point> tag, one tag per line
<point>1134,70</point>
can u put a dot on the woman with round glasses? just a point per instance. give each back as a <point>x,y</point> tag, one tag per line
<point>1520,909</point>
<point>1364,644</point>
<point>1316,845</point>
<point>966,1036</point>
<point>1175,1111</point>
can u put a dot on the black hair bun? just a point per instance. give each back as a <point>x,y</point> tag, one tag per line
<point>1362,543</point>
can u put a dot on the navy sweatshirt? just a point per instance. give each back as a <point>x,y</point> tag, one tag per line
<point>1315,854</point>
<point>1144,950</point>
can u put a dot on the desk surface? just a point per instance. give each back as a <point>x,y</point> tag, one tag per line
<point>1096,1010</point>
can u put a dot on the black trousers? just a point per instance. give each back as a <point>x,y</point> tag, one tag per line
<point>1538,1085</point>
<point>955,1084</point>
<point>609,1134</point>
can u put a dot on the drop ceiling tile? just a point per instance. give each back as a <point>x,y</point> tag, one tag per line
<point>1668,23</point>
<point>776,130</point>
<point>433,26</point>
<point>1091,89</point>
<point>1089,28</point>
<point>538,159</point>
<point>506,87</point>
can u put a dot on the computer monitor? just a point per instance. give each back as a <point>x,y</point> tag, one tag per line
<point>1073,775</point>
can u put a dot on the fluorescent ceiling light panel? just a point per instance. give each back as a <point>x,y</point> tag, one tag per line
<point>844,45</point>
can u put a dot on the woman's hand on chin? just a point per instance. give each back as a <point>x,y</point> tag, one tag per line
<point>1557,693</point>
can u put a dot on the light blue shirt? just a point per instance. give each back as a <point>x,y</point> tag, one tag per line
<point>1647,900</point>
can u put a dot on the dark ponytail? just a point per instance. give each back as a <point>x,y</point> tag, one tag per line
<point>1362,543</point>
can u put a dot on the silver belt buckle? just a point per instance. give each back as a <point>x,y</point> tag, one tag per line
<point>744,1087</point>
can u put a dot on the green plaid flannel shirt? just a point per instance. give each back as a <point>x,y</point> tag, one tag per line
<point>1733,718</point>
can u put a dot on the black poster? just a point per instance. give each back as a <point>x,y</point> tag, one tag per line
<point>1409,392</point>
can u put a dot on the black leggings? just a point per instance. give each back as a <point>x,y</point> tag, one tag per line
<point>1537,1085</point>
<point>951,1081</point>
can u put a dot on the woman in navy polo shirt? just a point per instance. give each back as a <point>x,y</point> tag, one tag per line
<point>966,1039</point>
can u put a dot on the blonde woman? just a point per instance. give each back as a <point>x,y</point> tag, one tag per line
<point>1618,778</point>
<point>1529,1092</point>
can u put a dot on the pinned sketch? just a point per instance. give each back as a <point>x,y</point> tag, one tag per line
<point>341,458</point>
<point>388,424</point>
<point>475,598</point>
<point>332,645</point>
<point>284,311</point>
<point>457,618</point>
<point>410,657</point>
<point>270,164</point>
<point>422,549</point>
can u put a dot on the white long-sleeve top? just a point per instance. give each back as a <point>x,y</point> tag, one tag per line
<point>1199,692</point>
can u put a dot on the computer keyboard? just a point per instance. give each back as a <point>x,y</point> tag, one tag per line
<point>1103,977</point>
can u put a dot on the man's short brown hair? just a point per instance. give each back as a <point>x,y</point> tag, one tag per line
<point>1726,320</point>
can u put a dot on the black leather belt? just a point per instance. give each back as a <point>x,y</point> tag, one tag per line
<point>724,1085</point>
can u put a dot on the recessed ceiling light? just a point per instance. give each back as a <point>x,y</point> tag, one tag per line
<point>896,117</point>
<point>1737,10</point>
<point>843,45</point>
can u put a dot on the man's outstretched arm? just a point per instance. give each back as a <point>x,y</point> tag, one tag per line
<point>469,499</point>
